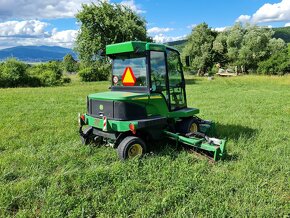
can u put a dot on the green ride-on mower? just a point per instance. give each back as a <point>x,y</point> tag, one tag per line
<point>147,102</point>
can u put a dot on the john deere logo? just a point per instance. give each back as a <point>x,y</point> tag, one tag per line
<point>101,107</point>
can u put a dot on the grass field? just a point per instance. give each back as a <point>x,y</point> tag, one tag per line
<point>45,171</point>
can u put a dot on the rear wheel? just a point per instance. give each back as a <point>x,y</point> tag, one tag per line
<point>188,125</point>
<point>86,135</point>
<point>131,147</point>
<point>85,140</point>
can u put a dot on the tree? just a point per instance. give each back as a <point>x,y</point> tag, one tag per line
<point>276,45</point>
<point>278,63</point>
<point>69,63</point>
<point>254,46</point>
<point>220,48</point>
<point>199,47</point>
<point>234,42</point>
<point>104,23</point>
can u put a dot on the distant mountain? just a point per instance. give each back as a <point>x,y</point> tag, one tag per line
<point>179,44</point>
<point>283,33</point>
<point>175,43</point>
<point>36,53</point>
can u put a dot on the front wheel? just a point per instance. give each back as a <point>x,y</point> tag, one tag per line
<point>131,147</point>
<point>188,125</point>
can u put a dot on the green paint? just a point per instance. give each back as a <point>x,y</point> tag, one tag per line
<point>219,151</point>
<point>112,125</point>
<point>120,96</point>
<point>135,46</point>
<point>154,103</point>
<point>155,47</point>
<point>124,47</point>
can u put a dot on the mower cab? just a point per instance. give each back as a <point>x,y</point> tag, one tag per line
<point>147,102</point>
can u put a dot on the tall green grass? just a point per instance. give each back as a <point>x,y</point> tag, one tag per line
<point>45,171</point>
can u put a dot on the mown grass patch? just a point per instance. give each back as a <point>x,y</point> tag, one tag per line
<point>45,171</point>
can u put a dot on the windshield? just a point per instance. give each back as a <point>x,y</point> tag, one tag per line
<point>129,70</point>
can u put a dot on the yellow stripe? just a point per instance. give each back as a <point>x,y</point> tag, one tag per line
<point>141,98</point>
<point>145,98</point>
<point>156,97</point>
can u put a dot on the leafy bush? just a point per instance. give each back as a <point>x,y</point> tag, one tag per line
<point>70,65</point>
<point>49,74</point>
<point>87,74</point>
<point>96,72</point>
<point>66,80</point>
<point>213,70</point>
<point>277,64</point>
<point>13,73</point>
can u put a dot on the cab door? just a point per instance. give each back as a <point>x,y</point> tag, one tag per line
<point>158,76</point>
<point>176,83</point>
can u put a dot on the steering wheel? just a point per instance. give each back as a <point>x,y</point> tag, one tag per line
<point>156,80</point>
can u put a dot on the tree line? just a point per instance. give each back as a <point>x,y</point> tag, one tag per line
<point>250,48</point>
<point>246,48</point>
<point>14,73</point>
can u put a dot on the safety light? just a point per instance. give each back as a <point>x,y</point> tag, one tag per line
<point>132,128</point>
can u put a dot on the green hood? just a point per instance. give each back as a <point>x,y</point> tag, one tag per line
<point>120,96</point>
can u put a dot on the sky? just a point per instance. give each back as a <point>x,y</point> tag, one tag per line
<point>52,22</point>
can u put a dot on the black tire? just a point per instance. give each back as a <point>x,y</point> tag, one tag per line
<point>126,150</point>
<point>85,140</point>
<point>186,126</point>
<point>86,135</point>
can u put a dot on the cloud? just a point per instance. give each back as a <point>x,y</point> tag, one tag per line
<point>33,32</point>
<point>159,30</point>
<point>220,29</point>
<point>23,28</point>
<point>160,38</point>
<point>244,19</point>
<point>191,26</point>
<point>277,12</point>
<point>287,24</point>
<point>273,12</point>
<point>64,38</point>
<point>131,4</point>
<point>37,9</point>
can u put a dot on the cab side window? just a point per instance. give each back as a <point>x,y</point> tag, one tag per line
<point>158,72</point>
<point>176,85</point>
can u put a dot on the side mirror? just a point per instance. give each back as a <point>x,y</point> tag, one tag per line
<point>187,61</point>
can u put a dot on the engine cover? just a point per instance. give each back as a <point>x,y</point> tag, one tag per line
<point>116,110</point>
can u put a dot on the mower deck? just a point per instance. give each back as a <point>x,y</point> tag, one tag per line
<point>199,140</point>
<point>205,143</point>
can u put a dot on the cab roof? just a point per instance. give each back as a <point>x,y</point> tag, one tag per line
<point>135,46</point>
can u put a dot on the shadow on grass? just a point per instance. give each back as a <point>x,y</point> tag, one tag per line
<point>165,147</point>
<point>234,132</point>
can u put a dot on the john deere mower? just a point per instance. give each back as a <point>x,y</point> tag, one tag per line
<point>147,102</point>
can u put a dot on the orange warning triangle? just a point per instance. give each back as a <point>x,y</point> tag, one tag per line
<point>128,77</point>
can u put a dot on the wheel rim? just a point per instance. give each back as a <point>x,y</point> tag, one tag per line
<point>135,150</point>
<point>193,127</point>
